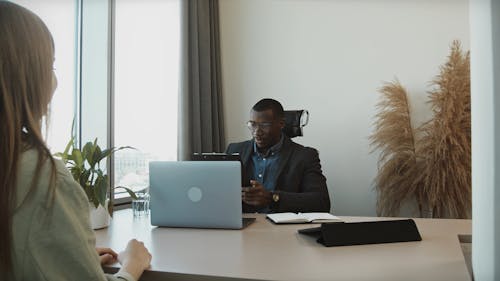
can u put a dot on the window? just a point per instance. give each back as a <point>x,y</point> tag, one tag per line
<point>142,110</point>
<point>60,18</point>
<point>146,72</point>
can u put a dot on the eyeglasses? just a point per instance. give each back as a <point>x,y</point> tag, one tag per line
<point>252,125</point>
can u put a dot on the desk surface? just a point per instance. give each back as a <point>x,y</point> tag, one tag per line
<point>265,251</point>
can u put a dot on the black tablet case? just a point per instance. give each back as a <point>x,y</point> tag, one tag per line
<point>214,156</point>
<point>360,233</point>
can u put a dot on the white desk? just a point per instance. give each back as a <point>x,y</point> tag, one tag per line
<point>265,251</point>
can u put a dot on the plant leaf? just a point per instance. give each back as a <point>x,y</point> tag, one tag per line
<point>107,152</point>
<point>77,157</point>
<point>101,189</point>
<point>91,195</point>
<point>94,154</point>
<point>84,177</point>
<point>64,155</point>
<point>129,191</point>
<point>87,153</point>
<point>69,145</point>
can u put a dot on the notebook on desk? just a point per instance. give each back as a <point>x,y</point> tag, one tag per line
<point>201,194</point>
<point>287,218</point>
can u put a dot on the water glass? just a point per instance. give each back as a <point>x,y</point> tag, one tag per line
<point>140,206</point>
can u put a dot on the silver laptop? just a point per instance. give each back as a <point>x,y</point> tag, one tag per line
<point>202,194</point>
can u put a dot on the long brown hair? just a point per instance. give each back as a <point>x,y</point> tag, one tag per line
<point>26,87</point>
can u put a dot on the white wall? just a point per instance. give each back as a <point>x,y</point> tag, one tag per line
<point>330,57</point>
<point>485,93</point>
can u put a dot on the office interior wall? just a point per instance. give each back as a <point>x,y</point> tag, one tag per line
<point>485,90</point>
<point>331,57</point>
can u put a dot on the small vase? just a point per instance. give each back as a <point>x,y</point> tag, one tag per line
<point>99,217</point>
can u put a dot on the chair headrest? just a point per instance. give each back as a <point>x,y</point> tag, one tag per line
<point>295,120</point>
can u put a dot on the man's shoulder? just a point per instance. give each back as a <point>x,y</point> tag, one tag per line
<point>237,146</point>
<point>301,148</point>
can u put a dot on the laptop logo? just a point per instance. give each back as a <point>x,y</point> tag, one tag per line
<point>194,194</point>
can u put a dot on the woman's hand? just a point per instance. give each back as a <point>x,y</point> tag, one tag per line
<point>107,255</point>
<point>135,258</point>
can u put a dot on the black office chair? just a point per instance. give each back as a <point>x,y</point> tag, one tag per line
<point>295,120</point>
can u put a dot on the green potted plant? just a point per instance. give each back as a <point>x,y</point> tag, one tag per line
<point>85,166</point>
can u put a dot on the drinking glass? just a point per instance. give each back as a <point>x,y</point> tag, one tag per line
<point>140,206</point>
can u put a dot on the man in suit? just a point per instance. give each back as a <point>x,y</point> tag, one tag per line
<point>279,175</point>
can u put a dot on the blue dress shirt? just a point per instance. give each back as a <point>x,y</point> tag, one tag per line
<point>266,165</point>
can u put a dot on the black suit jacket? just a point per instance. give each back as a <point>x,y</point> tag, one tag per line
<point>301,183</point>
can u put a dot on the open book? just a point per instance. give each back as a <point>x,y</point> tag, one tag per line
<point>302,217</point>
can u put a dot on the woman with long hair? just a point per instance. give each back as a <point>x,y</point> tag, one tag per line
<point>45,231</point>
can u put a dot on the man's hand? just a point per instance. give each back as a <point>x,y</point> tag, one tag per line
<point>107,256</point>
<point>256,195</point>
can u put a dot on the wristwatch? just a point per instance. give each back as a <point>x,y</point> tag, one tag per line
<point>276,196</point>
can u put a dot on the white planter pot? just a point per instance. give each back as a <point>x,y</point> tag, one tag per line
<point>99,217</point>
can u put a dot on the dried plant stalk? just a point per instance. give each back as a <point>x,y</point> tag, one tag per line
<point>395,138</point>
<point>446,141</point>
<point>436,169</point>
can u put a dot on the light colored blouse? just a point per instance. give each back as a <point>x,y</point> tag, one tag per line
<point>53,242</point>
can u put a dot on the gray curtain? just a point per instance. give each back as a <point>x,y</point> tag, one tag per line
<point>201,126</point>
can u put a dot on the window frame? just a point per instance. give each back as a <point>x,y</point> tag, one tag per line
<point>95,62</point>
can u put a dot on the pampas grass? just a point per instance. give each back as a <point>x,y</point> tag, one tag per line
<point>435,170</point>
<point>445,145</point>
<point>395,138</point>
